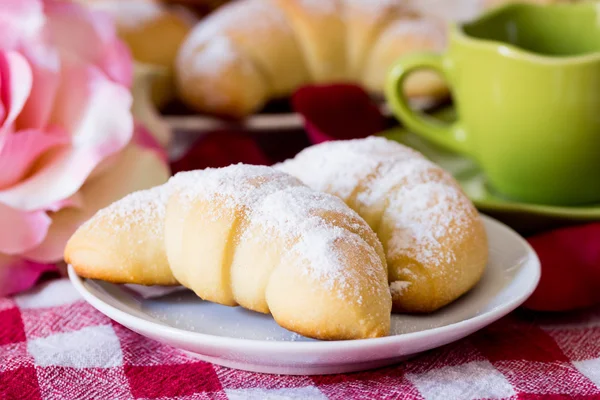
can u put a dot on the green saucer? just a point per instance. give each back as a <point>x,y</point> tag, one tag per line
<point>526,218</point>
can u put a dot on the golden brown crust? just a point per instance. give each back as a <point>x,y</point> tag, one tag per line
<point>451,280</point>
<point>318,312</point>
<point>230,87</point>
<point>123,243</point>
<point>250,236</point>
<point>95,272</point>
<point>270,244</point>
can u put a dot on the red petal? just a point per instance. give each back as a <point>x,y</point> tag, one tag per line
<point>337,112</point>
<point>143,138</point>
<point>17,275</point>
<point>220,149</point>
<point>23,148</point>
<point>570,260</point>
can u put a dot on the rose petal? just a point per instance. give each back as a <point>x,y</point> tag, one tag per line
<point>118,63</point>
<point>16,80</point>
<point>18,274</point>
<point>219,149</point>
<point>89,36</point>
<point>96,112</point>
<point>21,230</point>
<point>45,66</point>
<point>133,169</point>
<point>338,111</point>
<point>75,201</point>
<point>20,20</point>
<point>22,149</point>
<point>570,260</point>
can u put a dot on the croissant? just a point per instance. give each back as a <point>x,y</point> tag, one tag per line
<point>152,31</point>
<point>249,236</point>
<point>251,51</point>
<point>434,240</point>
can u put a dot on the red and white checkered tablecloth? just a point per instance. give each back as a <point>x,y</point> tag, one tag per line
<point>53,345</point>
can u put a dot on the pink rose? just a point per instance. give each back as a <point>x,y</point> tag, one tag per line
<point>67,145</point>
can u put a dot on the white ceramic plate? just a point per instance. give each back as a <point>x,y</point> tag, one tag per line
<point>242,339</point>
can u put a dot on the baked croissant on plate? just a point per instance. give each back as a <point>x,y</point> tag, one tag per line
<point>249,236</point>
<point>250,51</point>
<point>434,240</point>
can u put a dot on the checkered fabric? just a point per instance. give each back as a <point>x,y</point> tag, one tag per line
<point>53,345</point>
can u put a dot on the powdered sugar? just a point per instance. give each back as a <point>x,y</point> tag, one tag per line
<point>236,17</point>
<point>289,210</point>
<point>207,62</point>
<point>211,48</point>
<point>237,185</point>
<point>214,33</point>
<point>215,57</point>
<point>144,207</point>
<point>318,246</point>
<point>423,215</point>
<point>393,175</point>
<point>420,204</point>
<point>297,212</point>
<point>339,167</point>
<point>398,287</point>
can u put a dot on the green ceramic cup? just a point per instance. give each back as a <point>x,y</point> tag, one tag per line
<point>525,80</point>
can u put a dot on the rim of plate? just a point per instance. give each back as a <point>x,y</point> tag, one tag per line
<point>316,346</point>
<point>575,212</point>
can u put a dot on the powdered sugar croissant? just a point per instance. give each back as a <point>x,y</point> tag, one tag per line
<point>249,236</point>
<point>251,51</point>
<point>434,239</point>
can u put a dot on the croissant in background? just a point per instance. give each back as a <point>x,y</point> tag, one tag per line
<point>249,236</point>
<point>152,31</point>
<point>250,51</point>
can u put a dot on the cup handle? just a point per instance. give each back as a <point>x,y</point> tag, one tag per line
<point>448,135</point>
